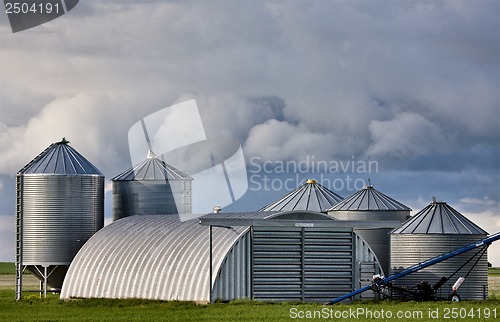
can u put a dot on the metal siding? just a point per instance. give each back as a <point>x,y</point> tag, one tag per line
<point>233,278</point>
<point>367,266</point>
<point>158,257</point>
<point>410,249</point>
<point>371,215</point>
<point>152,257</point>
<point>150,198</point>
<point>152,187</point>
<point>366,272</point>
<point>379,238</point>
<point>60,213</point>
<point>379,241</point>
<point>308,264</point>
<point>60,205</point>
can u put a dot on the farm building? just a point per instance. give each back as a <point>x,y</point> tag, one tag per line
<point>309,245</point>
<point>283,256</point>
<point>291,255</point>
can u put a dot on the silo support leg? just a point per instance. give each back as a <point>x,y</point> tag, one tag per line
<point>45,281</point>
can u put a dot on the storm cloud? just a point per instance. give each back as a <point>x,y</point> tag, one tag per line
<point>413,85</point>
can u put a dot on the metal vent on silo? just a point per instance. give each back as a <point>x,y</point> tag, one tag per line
<point>437,229</point>
<point>60,205</point>
<point>151,187</point>
<point>369,206</point>
<point>309,196</point>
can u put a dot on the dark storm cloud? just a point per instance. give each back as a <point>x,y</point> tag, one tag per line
<point>411,84</point>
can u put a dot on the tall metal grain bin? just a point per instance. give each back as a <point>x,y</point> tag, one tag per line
<point>60,205</point>
<point>152,187</point>
<point>370,206</point>
<point>438,229</point>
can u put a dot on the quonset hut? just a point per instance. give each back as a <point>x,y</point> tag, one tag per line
<point>261,255</point>
<point>368,209</point>
<point>151,187</point>
<point>309,196</point>
<point>438,229</point>
<point>60,205</point>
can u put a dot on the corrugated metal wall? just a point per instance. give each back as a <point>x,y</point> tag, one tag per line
<point>60,213</point>
<point>367,266</point>
<point>159,257</point>
<point>150,257</point>
<point>235,278</point>
<point>379,241</point>
<point>302,264</point>
<point>233,281</point>
<point>151,197</point>
<point>410,249</point>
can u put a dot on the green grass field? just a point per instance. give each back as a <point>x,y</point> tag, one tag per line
<point>7,268</point>
<point>494,271</point>
<point>32,308</point>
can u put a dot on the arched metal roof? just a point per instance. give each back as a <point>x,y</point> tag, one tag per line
<point>309,196</point>
<point>369,198</point>
<point>151,169</point>
<point>60,158</point>
<point>151,257</point>
<point>160,257</point>
<point>439,218</point>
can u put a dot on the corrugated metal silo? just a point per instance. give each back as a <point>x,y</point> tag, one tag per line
<point>437,229</point>
<point>369,205</point>
<point>309,196</point>
<point>60,205</point>
<point>152,187</point>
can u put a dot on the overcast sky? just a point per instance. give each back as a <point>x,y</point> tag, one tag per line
<point>411,85</point>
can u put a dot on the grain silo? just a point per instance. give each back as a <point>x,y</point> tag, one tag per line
<point>151,187</point>
<point>368,207</point>
<point>437,229</point>
<point>309,196</point>
<point>60,205</point>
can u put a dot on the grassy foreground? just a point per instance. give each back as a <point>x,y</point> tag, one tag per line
<point>7,268</point>
<point>494,271</point>
<point>53,309</point>
<point>32,308</point>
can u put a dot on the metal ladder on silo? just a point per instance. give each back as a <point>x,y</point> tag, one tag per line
<point>19,241</point>
<point>412,269</point>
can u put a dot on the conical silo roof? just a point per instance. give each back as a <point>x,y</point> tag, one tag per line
<point>369,198</point>
<point>151,169</point>
<point>309,196</point>
<point>439,218</point>
<point>60,159</point>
